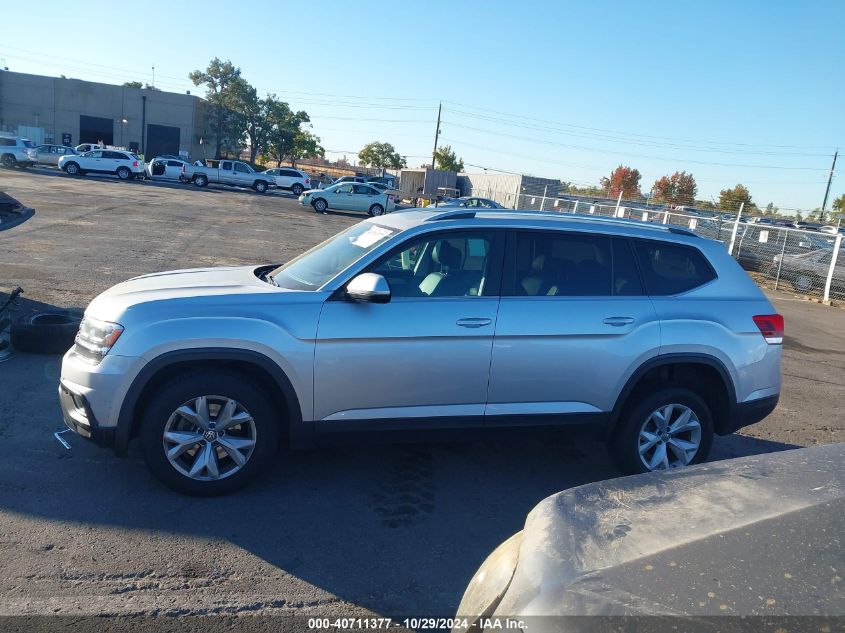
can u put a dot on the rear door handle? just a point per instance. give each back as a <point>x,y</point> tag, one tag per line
<point>474,322</point>
<point>618,321</point>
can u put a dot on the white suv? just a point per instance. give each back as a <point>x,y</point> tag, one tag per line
<point>125,165</point>
<point>293,180</point>
<point>17,152</point>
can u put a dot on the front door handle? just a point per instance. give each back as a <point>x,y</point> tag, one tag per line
<point>618,321</point>
<point>474,322</point>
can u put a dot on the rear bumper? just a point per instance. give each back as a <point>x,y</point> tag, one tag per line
<point>748,413</point>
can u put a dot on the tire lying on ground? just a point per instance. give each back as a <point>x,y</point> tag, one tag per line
<point>45,332</point>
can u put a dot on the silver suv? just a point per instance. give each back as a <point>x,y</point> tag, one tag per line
<point>430,320</point>
<point>17,152</point>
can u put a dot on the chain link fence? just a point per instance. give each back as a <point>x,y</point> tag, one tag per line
<point>777,257</point>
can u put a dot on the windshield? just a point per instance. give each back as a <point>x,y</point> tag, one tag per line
<point>314,268</point>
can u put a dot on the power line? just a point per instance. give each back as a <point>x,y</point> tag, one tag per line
<point>636,155</point>
<point>594,129</point>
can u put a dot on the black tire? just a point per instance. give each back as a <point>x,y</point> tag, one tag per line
<point>624,444</point>
<point>8,161</point>
<point>72,169</point>
<point>297,189</point>
<point>260,186</point>
<point>320,205</point>
<point>805,283</point>
<point>45,332</point>
<point>231,384</point>
<point>123,173</point>
<point>201,180</point>
<point>376,210</point>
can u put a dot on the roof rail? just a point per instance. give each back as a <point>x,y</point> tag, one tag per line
<point>463,214</point>
<point>454,214</point>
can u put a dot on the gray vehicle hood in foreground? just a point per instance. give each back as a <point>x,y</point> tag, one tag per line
<point>753,536</point>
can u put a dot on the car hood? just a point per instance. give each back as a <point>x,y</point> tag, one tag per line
<point>758,535</point>
<point>179,284</point>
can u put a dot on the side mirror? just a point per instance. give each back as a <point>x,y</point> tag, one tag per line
<point>368,288</point>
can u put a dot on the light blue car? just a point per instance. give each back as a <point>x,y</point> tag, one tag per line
<point>349,196</point>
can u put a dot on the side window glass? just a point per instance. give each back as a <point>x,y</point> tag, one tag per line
<point>562,265</point>
<point>670,269</point>
<point>626,277</point>
<point>443,265</point>
<point>344,189</point>
<point>226,165</point>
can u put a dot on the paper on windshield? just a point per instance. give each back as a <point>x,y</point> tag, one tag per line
<point>371,236</point>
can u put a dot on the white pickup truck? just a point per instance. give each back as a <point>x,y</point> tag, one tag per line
<point>232,173</point>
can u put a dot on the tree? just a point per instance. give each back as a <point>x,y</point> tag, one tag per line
<point>839,203</point>
<point>222,92</point>
<point>283,126</point>
<point>445,158</point>
<point>730,199</point>
<point>133,84</point>
<point>623,179</point>
<point>255,114</point>
<point>305,145</point>
<point>679,189</point>
<point>381,155</point>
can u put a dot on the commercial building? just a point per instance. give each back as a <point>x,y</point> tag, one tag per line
<point>72,111</point>
<point>515,191</point>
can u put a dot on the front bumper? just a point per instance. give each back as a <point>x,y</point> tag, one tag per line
<point>79,417</point>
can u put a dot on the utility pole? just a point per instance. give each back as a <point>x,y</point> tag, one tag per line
<point>827,191</point>
<point>436,134</point>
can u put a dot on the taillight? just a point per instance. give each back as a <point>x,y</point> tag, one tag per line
<point>134,163</point>
<point>307,181</point>
<point>183,169</point>
<point>771,327</point>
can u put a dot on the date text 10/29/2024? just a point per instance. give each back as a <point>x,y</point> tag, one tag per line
<point>416,624</point>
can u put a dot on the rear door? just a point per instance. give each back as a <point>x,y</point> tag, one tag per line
<point>573,323</point>
<point>227,172</point>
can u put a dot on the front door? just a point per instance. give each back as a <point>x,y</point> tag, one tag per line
<point>573,321</point>
<point>423,358</point>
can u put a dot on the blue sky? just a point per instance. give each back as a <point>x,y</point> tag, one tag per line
<point>748,92</point>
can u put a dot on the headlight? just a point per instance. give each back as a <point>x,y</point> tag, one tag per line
<point>491,581</point>
<point>96,338</point>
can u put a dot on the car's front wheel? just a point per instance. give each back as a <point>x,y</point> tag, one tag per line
<point>260,186</point>
<point>806,282</point>
<point>72,169</point>
<point>320,205</point>
<point>670,428</point>
<point>209,432</point>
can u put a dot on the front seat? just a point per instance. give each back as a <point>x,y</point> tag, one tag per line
<point>449,258</point>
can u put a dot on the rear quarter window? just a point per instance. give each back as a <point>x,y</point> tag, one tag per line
<point>670,269</point>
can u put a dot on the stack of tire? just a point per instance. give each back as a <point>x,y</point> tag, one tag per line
<point>46,332</point>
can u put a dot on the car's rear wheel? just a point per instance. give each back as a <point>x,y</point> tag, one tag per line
<point>209,432</point>
<point>8,161</point>
<point>806,283</point>
<point>72,169</point>
<point>200,181</point>
<point>123,173</point>
<point>376,210</point>
<point>297,189</point>
<point>320,205</point>
<point>671,428</point>
<point>260,186</point>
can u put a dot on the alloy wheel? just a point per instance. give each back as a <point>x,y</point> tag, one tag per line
<point>209,437</point>
<point>669,438</point>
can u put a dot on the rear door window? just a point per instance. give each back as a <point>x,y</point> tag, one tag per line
<point>670,269</point>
